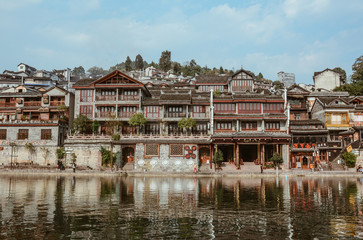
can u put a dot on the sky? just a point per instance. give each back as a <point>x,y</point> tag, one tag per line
<point>294,36</point>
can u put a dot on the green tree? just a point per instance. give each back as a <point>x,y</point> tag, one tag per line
<point>218,158</point>
<point>357,68</point>
<point>350,159</point>
<point>113,125</point>
<point>128,64</point>
<point>82,124</point>
<point>165,61</point>
<point>221,70</point>
<point>278,85</point>
<point>94,126</point>
<point>139,62</point>
<point>276,160</point>
<point>187,123</point>
<point>61,153</point>
<point>139,120</point>
<point>177,68</point>
<point>79,72</point>
<point>95,72</point>
<point>259,76</point>
<point>108,157</point>
<point>342,72</point>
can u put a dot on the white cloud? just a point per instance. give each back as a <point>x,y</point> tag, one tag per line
<point>294,8</point>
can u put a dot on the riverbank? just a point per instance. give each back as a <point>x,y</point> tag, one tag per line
<point>51,171</point>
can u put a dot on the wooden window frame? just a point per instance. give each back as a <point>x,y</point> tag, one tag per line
<point>46,134</point>
<point>3,133</point>
<point>158,146</point>
<point>23,134</point>
<point>170,155</point>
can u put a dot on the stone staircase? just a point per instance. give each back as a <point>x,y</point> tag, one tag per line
<point>128,167</point>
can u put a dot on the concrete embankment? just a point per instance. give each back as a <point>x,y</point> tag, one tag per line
<point>107,172</point>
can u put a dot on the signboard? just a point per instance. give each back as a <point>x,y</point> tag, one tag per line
<point>349,148</point>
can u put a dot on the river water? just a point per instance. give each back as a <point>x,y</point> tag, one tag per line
<point>67,207</point>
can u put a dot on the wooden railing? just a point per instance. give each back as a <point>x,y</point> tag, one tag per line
<point>129,97</point>
<point>106,98</point>
<point>105,114</point>
<point>175,115</point>
<point>125,114</point>
<point>13,104</point>
<point>57,103</point>
<point>32,104</point>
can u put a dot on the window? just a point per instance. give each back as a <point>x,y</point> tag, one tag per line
<point>272,126</point>
<point>176,149</point>
<point>249,108</point>
<point>199,111</point>
<point>224,126</point>
<point>224,107</point>
<point>208,88</point>
<point>248,126</point>
<point>200,128</point>
<point>23,134</point>
<point>86,96</point>
<point>86,110</point>
<point>2,133</point>
<point>152,111</point>
<point>46,134</point>
<point>151,150</point>
<point>273,107</point>
<point>130,92</point>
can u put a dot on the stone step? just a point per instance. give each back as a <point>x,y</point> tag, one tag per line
<point>128,166</point>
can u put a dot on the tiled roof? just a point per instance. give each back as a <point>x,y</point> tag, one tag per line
<point>205,79</point>
<point>84,82</point>
<point>306,122</point>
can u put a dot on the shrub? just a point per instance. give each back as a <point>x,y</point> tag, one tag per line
<point>108,157</point>
<point>61,153</point>
<point>276,159</point>
<point>218,157</point>
<point>350,159</point>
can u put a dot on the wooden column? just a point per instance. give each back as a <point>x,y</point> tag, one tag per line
<point>263,154</point>
<point>237,155</point>
<point>259,152</point>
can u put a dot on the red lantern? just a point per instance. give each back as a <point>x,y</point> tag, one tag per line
<point>187,148</point>
<point>187,156</point>
<point>194,156</point>
<point>194,148</point>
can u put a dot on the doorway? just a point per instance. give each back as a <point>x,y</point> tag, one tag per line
<point>248,153</point>
<point>227,151</point>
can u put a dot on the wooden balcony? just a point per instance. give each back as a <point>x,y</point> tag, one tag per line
<point>249,111</point>
<point>57,103</point>
<point>125,114</point>
<point>128,97</point>
<point>33,104</point>
<point>273,111</point>
<point>175,115</point>
<point>7,104</point>
<point>106,98</point>
<point>105,114</point>
<point>200,115</point>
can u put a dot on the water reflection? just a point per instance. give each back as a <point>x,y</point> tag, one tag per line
<point>248,208</point>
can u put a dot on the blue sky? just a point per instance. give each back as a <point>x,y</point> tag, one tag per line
<point>299,36</point>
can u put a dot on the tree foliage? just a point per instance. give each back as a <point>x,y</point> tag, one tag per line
<point>61,153</point>
<point>108,157</point>
<point>278,85</point>
<point>139,62</point>
<point>113,125</point>
<point>187,123</point>
<point>218,157</point>
<point>259,76</point>
<point>276,159</point>
<point>139,120</point>
<point>128,64</point>
<point>82,124</point>
<point>165,61</point>
<point>350,159</point>
<point>79,72</point>
<point>96,72</point>
<point>342,72</point>
<point>357,70</point>
<point>94,126</point>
